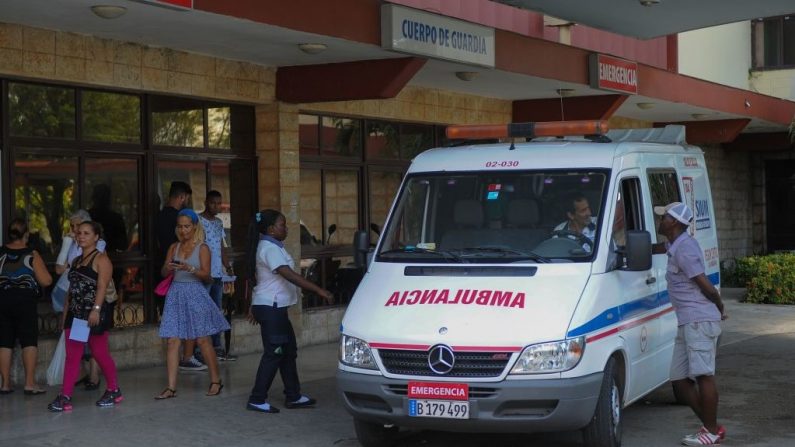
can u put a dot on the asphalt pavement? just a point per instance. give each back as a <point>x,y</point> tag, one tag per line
<point>755,373</point>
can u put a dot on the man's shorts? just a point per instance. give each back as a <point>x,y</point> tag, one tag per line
<point>694,350</point>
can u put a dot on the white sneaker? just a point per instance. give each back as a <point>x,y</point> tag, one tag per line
<point>701,437</point>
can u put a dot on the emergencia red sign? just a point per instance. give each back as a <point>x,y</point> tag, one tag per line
<point>445,391</point>
<point>612,73</point>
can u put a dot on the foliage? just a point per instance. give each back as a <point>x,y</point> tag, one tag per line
<point>769,279</point>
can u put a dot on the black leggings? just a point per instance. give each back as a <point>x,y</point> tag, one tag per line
<point>19,320</point>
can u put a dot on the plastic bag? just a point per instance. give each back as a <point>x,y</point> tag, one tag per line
<point>55,370</point>
<point>59,292</point>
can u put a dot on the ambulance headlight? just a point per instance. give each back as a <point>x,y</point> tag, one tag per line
<point>556,356</point>
<point>356,353</point>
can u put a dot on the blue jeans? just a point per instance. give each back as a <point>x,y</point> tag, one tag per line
<point>216,291</point>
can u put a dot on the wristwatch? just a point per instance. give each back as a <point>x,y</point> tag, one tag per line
<point>97,307</point>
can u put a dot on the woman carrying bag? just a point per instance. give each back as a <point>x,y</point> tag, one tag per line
<point>189,312</point>
<point>89,276</point>
<point>69,251</point>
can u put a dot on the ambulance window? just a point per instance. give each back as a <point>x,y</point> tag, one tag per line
<point>664,188</point>
<point>628,216</point>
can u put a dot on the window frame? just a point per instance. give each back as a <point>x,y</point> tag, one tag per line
<point>759,43</point>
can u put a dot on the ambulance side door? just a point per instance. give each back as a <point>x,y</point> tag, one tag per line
<point>638,289</point>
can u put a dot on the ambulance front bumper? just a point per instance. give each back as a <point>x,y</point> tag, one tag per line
<point>515,406</point>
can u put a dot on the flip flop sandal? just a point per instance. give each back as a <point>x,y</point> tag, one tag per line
<point>172,393</point>
<point>34,392</point>
<point>220,387</point>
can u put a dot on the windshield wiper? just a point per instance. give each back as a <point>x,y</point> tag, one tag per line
<point>409,250</point>
<point>503,250</point>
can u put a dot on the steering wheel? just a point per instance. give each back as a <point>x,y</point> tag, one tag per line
<point>574,236</point>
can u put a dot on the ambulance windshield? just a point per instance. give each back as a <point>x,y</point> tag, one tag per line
<point>496,217</point>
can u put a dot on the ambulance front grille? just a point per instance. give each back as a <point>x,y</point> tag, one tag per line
<point>467,364</point>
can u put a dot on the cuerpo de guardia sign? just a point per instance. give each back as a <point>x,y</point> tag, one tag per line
<point>418,32</point>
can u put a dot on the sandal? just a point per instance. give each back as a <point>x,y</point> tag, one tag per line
<point>168,393</point>
<point>220,387</point>
<point>34,392</point>
<point>91,386</point>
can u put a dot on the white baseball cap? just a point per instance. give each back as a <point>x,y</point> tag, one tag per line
<point>677,210</point>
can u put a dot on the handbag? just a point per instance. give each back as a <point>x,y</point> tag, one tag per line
<point>59,291</point>
<point>162,287</point>
<point>111,295</point>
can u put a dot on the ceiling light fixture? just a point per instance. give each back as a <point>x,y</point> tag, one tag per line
<point>645,105</point>
<point>312,48</point>
<point>649,3</point>
<point>108,11</point>
<point>466,75</point>
<point>565,92</point>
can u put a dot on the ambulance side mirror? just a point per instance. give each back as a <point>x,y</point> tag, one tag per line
<point>361,246</point>
<point>638,250</point>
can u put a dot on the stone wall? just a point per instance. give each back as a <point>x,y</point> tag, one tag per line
<point>57,56</point>
<point>730,179</point>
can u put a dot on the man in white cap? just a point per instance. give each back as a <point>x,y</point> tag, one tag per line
<point>699,311</point>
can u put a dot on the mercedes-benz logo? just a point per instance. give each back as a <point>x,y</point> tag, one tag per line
<point>441,359</point>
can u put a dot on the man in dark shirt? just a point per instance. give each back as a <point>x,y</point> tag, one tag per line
<point>166,221</point>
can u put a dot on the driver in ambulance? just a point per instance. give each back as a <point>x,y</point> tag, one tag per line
<point>579,219</point>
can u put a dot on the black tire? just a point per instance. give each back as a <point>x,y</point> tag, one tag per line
<point>605,427</point>
<point>374,435</point>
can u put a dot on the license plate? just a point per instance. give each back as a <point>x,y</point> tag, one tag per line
<point>432,408</point>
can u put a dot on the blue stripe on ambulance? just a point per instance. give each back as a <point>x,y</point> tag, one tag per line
<point>627,311</point>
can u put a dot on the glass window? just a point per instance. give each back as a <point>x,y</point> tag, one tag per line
<point>177,122</point>
<point>41,111</point>
<point>415,138</point>
<point>341,137</point>
<point>774,45</point>
<point>383,186</point>
<point>45,193</point>
<point>342,206</point>
<point>383,140</point>
<point>628,216</point>
<point>234,179</point>
<point>111,195</point>
<point>788,41</point>
<point>664,188</point>
<point>308,132</point>
<point>192,172</point>
<point>311,207</point>
<point>111,117</point>
<point>219,124</point>
<point>485,217</point>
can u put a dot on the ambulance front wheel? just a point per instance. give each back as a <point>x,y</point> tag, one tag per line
<point>605,427</point>
<point>374,435</point>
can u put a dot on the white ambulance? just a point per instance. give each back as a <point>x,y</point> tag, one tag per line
<point>483,310</point>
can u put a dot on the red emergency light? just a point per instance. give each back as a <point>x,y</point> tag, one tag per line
<point>527,130</point>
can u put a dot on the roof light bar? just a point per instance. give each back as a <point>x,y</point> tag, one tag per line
<point>527,130</point>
